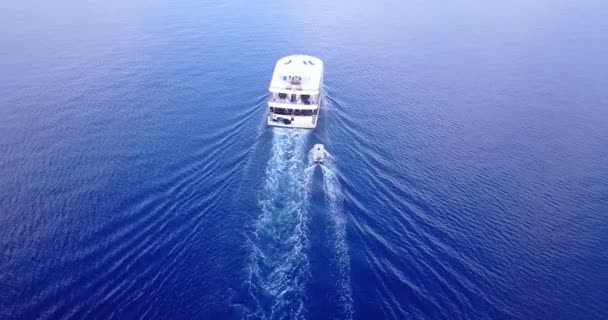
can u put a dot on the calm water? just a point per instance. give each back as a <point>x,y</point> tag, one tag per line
<point>467,174</point>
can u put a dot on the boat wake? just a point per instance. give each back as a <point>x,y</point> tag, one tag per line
<point>334,199</point>
<point>279,265</point>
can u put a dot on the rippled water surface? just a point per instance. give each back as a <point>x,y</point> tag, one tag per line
<point>466,173</point>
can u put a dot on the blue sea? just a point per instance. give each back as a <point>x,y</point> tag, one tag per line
<point>466,172</point>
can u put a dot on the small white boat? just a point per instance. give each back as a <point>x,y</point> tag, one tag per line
<point>296,90</point>
<point>318,153</point>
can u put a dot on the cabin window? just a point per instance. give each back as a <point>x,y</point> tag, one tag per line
<point>307,113</point>
<point>298,112</point>
<point>280,111</point>
<point>306,99</point>
<point>282,95</point>
<point>271,109</point>
<point>315,111</point>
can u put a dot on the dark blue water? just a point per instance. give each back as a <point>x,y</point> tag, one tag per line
<point>467,172</point>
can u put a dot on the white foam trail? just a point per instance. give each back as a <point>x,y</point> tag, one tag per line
<point>279,266</point>
<point>334,198</point>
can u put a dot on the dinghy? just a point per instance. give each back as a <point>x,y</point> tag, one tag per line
<point>317,154</point>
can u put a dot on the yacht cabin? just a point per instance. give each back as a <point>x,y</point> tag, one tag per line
<point>295,92</point>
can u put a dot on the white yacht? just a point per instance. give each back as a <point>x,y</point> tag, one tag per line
<point>296,90</point>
